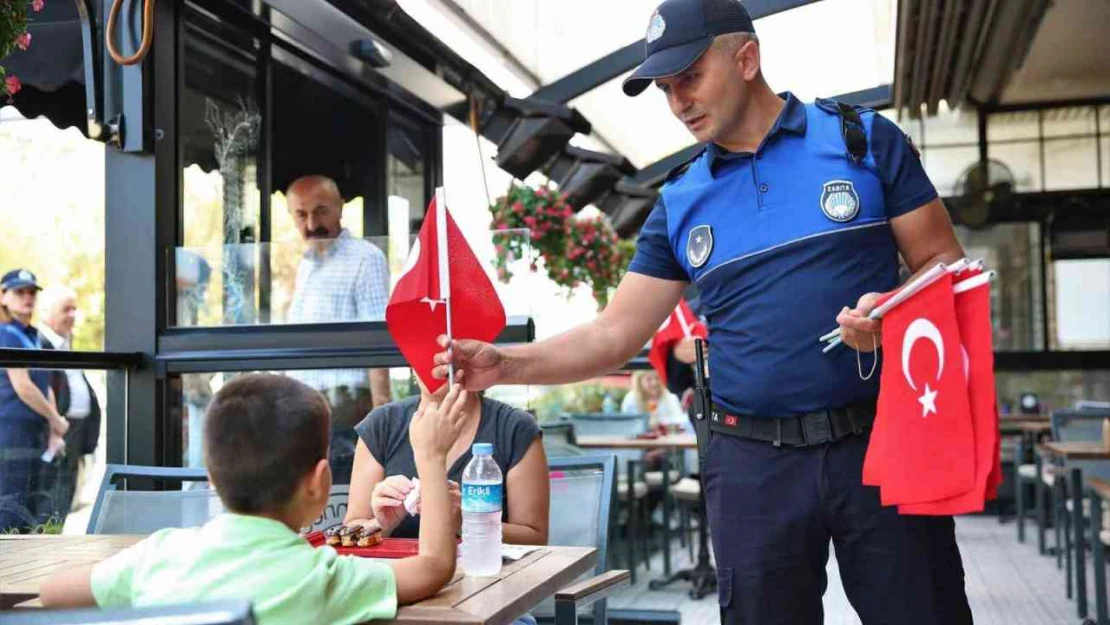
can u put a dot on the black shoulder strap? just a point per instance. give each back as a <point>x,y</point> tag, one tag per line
<point>851,129</point>
<point>677,172</point>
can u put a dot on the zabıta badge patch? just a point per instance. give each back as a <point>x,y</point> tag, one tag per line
<point>839,200</point>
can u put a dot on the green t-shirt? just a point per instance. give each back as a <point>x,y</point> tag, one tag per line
<point>238,556</point>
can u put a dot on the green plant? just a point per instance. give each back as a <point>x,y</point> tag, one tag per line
<point>13,34</point>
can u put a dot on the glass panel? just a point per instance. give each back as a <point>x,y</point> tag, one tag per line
<point>346,391</point>
<point>219,127</point>
<point>948,127</point>
<point>1024,161</point>
<point>1104,157</point>
<point>1017,125</point>
<point>409,148</point>
<point>1012,250</point>
<point>1077,120</point>
<point>947,167</point>
<point>51,482</point>
<point>1054,390</point>
<point>1070,164</point>
<point>332,280</point>
<point>1081,302</point>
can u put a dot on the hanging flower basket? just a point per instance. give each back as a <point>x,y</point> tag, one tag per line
<point>575,251</point>
<point>14,36</point>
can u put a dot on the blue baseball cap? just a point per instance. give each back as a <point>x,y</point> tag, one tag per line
<point>19,278</point>
<point>679,32</point>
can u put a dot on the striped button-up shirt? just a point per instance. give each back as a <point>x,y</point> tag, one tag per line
<point>349,281</point>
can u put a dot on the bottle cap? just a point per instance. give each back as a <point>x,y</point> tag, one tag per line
<point>482,449</point>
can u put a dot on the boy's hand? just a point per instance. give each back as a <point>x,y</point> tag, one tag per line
<point>433,429</point>
<point>388,501</point>
<point>454,492</point>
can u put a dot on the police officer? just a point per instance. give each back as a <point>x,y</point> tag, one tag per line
<point>793,217</point>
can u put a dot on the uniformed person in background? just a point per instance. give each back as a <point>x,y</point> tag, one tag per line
<point>791,219</point>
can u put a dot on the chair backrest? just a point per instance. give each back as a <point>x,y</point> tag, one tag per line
<point>1078,425</point>
<point>227,612</point>
<point>147,511</point>
<point>559,440</point>
<point>582,492</point>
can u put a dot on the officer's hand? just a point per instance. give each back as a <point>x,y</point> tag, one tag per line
<point>483,363</point>
<point>856,330</point>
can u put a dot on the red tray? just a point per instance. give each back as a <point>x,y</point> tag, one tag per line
<point>392,548</point>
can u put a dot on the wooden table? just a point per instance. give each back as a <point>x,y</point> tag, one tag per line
<point>521,585</point>
<point>1077,450</point>
<point>671,441</point>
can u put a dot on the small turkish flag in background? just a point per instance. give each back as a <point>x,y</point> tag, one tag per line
<point>441,273</point>
<point>680,324</point>
<point>925,449</point>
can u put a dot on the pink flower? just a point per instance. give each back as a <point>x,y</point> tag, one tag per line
<point>23,41</point>
<point>12,84</point>
<point>36,5</point>
<point>518,207</point>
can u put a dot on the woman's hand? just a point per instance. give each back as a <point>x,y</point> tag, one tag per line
<point>58,425</point>
<point>388,501</point>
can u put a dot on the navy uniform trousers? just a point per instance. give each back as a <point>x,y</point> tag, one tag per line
<point>772,512</point>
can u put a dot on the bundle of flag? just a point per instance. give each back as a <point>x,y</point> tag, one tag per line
<point>443,289</point>
<point>680,324</point>
<point>934,445</point>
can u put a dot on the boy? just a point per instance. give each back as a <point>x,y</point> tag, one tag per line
<point>266,448</point>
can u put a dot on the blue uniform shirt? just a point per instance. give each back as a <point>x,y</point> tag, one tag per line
<point>17,335</point>
<point>778,242</point>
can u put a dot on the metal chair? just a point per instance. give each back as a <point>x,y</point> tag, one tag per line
<point>582,491</point>
<point>559,439</point>
<point>230,612</point>
<point>632,489</point>
<point>147,511</point>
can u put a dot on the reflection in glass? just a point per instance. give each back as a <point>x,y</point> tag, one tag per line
<point>1013,251</point>
<point>219,126</point>
<point>408,147</point>
<point>1074,120</point>
<point>1015,125</point>
<point>947,168</point>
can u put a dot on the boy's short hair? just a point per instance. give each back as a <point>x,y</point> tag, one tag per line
<point>262,434</point>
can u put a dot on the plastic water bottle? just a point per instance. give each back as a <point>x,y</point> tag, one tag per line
<point>482,493</point>
<point>608,404</point>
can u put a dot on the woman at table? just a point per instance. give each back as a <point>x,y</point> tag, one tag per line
<point>648,395</point>
<point>381,476</point>
<point>29,419</point>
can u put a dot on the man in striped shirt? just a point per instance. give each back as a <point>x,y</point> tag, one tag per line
<point>340,278</point>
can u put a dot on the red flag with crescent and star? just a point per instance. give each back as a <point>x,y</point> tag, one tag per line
<point>441,273</point>
<point>680,324</point>
<point>924,451</point>
<point>973,314</point>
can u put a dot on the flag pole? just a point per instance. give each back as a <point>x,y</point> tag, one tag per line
<point>444,271</point>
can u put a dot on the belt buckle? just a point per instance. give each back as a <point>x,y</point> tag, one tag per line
<point>817,428</point>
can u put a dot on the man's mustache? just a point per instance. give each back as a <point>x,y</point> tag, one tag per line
<point>319,233</point>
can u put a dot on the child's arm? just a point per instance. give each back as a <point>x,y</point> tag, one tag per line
<point>68,588</point>
<point>432,432</point>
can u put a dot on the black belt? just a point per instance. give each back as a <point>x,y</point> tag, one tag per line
<point>806,430</point>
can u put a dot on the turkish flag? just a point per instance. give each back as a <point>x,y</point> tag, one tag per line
<point>680,324</point>
<point>441,273</point>
<point>973,314</point>
<point>923,401</point>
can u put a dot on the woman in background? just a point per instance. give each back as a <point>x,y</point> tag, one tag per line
<point>29,421</point>
<point>648,395</point>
